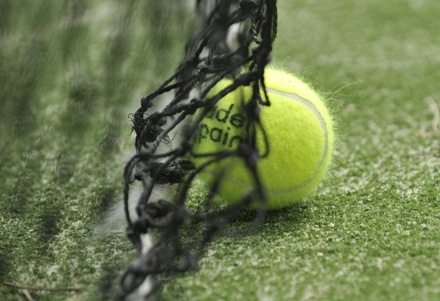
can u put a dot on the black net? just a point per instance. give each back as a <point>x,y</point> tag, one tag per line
<point>234,41</point>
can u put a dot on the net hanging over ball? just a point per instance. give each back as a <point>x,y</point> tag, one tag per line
<point>234,43</point>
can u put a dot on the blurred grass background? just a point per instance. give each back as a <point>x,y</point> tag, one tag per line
<point>71,71</point>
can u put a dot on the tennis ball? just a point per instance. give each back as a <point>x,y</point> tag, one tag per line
<point>299,130</point>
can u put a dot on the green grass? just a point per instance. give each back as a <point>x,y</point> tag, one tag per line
<point>71,71</point>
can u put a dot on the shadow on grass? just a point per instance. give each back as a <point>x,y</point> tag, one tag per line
<point>247,222</point>
<point>4,262</point>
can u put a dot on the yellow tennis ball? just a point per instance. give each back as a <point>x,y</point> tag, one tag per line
<point>299,130</point>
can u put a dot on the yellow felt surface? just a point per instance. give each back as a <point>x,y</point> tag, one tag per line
<point>300,134</point>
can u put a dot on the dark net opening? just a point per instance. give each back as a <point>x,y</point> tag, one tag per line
<point>234,42</point>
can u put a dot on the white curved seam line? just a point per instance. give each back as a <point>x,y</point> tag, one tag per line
<point>321,119</point>
<point>315,111</point>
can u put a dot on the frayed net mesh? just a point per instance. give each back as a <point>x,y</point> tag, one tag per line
<point>234,42</point>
